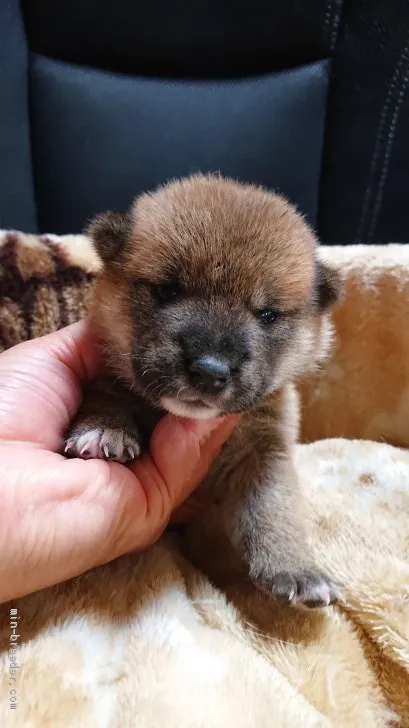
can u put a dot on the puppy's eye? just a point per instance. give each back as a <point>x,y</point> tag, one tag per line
<point>167,292</point>
<point>266,316</point>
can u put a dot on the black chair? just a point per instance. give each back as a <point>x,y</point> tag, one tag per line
<point>100,100</point>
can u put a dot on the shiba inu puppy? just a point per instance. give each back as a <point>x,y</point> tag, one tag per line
<point>212,300</point>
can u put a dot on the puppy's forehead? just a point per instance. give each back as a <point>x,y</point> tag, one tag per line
<point>214,236</point>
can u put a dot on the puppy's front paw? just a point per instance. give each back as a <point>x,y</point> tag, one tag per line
<point>309,588</point>
<point>105,443</point>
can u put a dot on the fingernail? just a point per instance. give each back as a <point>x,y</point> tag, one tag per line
<point>204,428</point>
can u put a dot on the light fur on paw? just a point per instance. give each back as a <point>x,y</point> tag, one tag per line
<point>104,444</point>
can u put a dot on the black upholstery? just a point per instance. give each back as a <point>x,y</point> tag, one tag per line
<point>113,98</point>
<point>17,204</point>
<point>114,135</point>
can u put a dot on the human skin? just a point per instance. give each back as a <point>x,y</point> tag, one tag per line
<point>59,516</point>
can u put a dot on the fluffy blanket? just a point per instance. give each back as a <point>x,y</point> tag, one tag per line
<point>147,640</point>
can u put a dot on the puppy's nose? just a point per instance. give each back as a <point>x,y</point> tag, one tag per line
<point>208,374</point>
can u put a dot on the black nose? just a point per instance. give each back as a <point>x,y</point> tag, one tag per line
<point>208,374</point>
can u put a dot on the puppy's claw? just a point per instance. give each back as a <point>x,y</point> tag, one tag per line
<point>104,443</point>
<point>291,595</point>
<point>307,588</point>
<point>133,452</point>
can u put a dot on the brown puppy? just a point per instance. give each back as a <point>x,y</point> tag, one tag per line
<point>212,300</point>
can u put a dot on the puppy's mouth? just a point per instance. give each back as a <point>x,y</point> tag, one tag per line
<point>190,406</point>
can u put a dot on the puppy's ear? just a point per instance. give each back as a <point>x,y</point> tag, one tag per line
<point>109,233</point>
<point>329,286</point>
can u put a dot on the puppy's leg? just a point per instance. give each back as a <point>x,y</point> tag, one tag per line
<point>112,423</point>
<point>271,538</point>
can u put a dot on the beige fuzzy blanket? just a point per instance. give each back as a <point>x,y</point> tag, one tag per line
<point>147,641</point>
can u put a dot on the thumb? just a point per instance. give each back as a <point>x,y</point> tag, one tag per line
<point>181,452</point>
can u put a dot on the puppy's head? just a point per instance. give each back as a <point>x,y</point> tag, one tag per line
<point>211,295</point>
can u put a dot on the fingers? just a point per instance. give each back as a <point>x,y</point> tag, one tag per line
<point>61,517</point>
<point>75,515</point>
<point>74,346</point>
<point>43,378</point>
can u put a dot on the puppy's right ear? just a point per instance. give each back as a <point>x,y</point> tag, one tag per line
<point>109,233</point>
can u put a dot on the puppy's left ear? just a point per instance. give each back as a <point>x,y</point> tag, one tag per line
<point>329,286</point>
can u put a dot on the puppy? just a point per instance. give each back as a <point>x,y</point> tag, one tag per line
<point>212,300</point>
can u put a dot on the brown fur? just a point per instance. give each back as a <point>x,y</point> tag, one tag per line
<point>231,250</point>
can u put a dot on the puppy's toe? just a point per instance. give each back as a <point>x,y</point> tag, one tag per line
<point>308,588</point>
<point>315,589</point>
<point>104,443</point>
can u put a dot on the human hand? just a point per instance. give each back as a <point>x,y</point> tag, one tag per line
<point>60,517</point>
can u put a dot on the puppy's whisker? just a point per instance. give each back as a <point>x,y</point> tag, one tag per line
<point>179,392</point>
<point>154,389</point>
